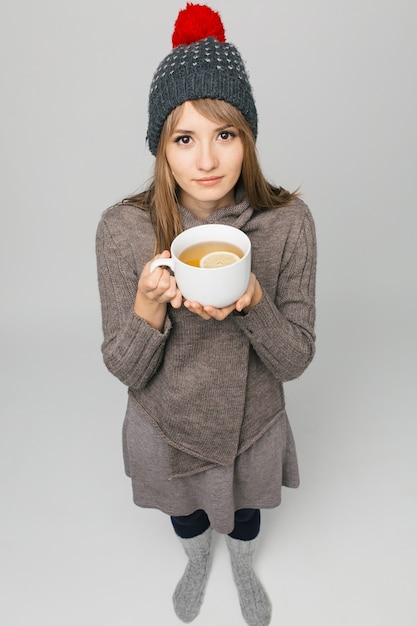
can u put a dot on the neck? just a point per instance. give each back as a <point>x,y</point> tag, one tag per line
<point>203,210</point>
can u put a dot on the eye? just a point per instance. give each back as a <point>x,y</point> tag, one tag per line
<point>183,140</point>
<point>226,134</point>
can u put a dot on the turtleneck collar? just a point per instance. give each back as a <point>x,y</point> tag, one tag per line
<point>233,215</point>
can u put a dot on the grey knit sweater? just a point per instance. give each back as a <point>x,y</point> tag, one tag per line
<point>211,389</point>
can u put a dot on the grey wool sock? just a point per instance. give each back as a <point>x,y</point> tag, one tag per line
<point>255,604</point>
<point>189,593</point>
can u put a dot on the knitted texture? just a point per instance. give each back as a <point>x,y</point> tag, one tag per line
<point>207,68</point>
<point>189,593</point>
<point>211,389</point>
<point>254,602</point>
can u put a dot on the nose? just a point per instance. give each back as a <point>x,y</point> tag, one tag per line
<point>207,156</point>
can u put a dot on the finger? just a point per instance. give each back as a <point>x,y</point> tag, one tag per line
<point>219,314</point>
<point>195,307</point>
<point>158,280</point>
<point>176,301</point>
<point>163,255</point>
<point>243,302</point>
<point>172,293</point>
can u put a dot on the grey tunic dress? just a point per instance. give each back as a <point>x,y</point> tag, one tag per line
<point>253,481</point>
<point>206,425</point>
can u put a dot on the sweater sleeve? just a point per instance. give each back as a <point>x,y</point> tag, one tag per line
<point>132,349</point>
<point>282,331</point>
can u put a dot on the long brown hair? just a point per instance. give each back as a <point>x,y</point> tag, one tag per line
<point>161,197</point>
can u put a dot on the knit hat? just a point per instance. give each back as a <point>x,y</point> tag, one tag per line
<point>201,65</point>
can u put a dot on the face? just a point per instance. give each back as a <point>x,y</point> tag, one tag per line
<point>205,158</point>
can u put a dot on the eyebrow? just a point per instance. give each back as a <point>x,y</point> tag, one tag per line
<point>183,131</point>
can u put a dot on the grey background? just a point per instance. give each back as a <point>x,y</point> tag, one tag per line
<point>336,94</point>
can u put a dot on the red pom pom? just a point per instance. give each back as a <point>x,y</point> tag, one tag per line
<point>195,22</point>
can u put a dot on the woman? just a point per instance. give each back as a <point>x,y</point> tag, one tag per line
<point>206,436</point>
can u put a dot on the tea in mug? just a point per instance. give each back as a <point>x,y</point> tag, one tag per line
<point>211,254</point>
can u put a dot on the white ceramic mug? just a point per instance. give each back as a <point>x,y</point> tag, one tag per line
<point>219,286</point>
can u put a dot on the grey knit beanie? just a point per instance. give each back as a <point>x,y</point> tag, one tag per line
<point>201,65</point>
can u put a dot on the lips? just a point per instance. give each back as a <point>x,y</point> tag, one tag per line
<point>207,182</point>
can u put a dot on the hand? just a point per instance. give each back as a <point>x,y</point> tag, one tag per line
<point>245,303</point>
<point>159,285</point>
<point>155,290</point>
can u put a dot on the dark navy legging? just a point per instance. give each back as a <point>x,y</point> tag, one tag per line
<point>247,524</point>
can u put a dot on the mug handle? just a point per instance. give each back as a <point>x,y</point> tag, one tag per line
<point>165,262</point>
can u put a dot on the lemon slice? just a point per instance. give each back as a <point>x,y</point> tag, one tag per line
<point>220,258</point>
